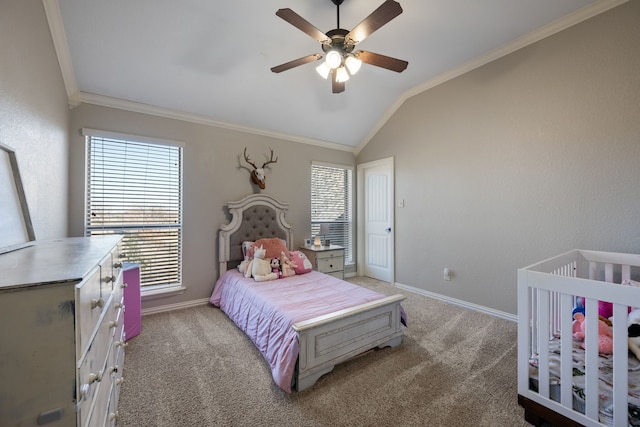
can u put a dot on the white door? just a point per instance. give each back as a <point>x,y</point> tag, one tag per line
<point>375,219</point>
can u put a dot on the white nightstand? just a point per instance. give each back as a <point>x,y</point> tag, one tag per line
<point>326,259</point>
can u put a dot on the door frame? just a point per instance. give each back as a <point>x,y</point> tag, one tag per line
<point>360,218</point>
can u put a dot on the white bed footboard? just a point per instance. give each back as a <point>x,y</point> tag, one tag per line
<point>547,294</point>
<point>328,340</point>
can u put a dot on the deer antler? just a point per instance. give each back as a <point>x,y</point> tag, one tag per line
<point>270,160</point>
<point>248,160</point>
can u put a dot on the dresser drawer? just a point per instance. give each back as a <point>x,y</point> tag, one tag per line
<point>89,307</point>
<point>93,369</point>
<point>100,407</point>
<point>91,375</point>
<point>330,264</point>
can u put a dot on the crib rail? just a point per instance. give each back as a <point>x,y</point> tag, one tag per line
<point>548,291</point>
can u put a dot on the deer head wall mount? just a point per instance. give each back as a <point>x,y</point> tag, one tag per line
<point>257,174</point>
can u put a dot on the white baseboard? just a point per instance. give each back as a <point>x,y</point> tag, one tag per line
<point>176,306</point>
<point>465,304</point>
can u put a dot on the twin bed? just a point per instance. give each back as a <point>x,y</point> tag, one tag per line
<point>565,381</point>
<point>304,324</point>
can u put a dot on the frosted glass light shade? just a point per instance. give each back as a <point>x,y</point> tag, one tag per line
<point>333,59</point>
<point>342,75</point>
<point>353,64</point>
<point>324,70</point>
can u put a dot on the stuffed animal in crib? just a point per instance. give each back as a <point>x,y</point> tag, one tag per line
<point>605,309</point>
<point>275,267</point>
<point>605,333</point>
<point>633,332</point>
<point>260,268</point>
<point>288,266</point>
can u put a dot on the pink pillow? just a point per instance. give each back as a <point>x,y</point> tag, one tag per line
<point>303,265</point>
<point>273,246</point>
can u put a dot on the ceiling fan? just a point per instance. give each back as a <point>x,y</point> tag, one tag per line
<point>338,45</point>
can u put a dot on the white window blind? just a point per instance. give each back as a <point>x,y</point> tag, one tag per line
<point>332,204</point>
<point>135,189</point>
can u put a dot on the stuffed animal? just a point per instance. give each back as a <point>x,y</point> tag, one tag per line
<point>260,268</point>
<point>242,267</point>
<point>275,267</point>
<point>288,266</point>
<point>303,265</point>
<point>605,333</point>
<point>605,309</point>
<point>633,332</point>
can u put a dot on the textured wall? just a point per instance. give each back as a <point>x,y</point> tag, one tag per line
<point>34,114</point>
<point>524,158</point>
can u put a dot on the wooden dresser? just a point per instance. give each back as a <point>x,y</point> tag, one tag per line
<point>326,259</point>
<point>62,336</point>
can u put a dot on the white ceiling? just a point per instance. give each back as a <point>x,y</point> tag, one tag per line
<point>209,61</point>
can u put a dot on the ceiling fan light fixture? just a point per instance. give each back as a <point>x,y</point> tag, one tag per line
<point>324,70</point>
<point>353,64</point>
<point>333,59</point>
<point>340,61</point>
<point>342,75</point>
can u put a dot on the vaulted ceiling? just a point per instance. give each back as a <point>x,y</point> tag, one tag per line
<point>209,61</point>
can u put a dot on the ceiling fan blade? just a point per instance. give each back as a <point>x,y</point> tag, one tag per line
<point>296,62</point>
<point>302,24</point>
<point>393,64</point>
<point>336,86</point>
<point>379,17</point>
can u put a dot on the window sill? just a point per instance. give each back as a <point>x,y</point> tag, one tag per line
<point>161,292</point>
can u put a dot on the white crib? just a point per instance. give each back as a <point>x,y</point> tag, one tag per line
<point>547,294</point>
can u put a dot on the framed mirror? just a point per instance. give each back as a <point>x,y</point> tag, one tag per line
<point>16,229</point>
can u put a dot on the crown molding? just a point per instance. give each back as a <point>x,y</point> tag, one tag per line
<point>106,101</point>
<point>543,32</point>
<point>54,18</point>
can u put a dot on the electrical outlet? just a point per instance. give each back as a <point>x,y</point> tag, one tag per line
<point>401,203</point>
<point>447,274</point>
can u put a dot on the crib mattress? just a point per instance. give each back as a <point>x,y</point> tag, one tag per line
<point>605,386</point>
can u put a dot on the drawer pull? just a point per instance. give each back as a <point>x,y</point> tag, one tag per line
<point>121,344</point>
<point>113,324</point>
<point>113,416</point>
<point>113,369</point>
<point>93,378</point>
<point>124,285</point>
<point>110,279</point>
<point>119,380</point>
<point>119,305</point>
<point>117,265</point>
<point>84,391</point>
<point>97,303</point>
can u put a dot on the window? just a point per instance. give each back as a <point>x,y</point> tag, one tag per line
<point>332,203</point>
<point>134,188</point>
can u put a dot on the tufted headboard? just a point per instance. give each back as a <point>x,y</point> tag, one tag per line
<point>254,217</point>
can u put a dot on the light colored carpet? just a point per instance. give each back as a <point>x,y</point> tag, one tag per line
<point>455,367</point>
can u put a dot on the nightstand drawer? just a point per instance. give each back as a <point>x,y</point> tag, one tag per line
<point>330,264</point>
<point>326,259</point>
<point>338,253</point>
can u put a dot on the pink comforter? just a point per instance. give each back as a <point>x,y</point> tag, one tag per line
<point>265,311</point>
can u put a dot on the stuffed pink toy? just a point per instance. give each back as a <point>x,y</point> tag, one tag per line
<point>605,334</point>
<point>288,266</point>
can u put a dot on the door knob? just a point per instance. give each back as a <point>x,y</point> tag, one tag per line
<point>388,230</point>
